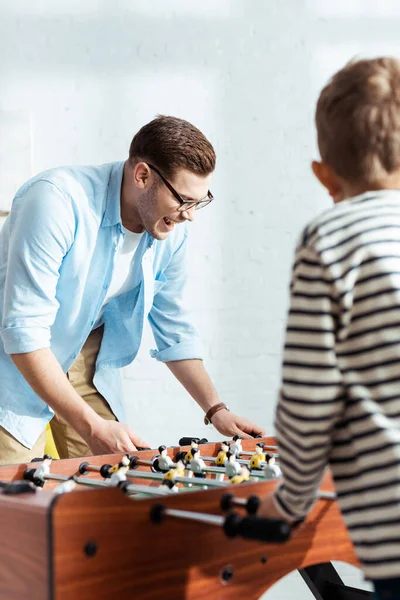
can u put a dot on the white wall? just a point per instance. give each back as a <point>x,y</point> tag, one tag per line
<point>81,77</point>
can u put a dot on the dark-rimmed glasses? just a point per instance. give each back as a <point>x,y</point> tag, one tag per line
<point>184,204</point>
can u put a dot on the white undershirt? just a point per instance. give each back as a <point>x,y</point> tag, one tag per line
<point>121,279</point>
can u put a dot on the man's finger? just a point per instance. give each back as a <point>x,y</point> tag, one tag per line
<point>244,435</point>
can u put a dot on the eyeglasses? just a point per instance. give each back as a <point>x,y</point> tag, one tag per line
<point>184,204</point>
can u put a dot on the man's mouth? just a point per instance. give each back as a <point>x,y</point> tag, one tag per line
<point>169,223</point>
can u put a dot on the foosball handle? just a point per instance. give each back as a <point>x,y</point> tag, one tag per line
<point>273,531</point>
<point>186,441</point>
<point>17,487</point>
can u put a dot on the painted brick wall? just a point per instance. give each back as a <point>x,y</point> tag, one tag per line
<point>82,77</point>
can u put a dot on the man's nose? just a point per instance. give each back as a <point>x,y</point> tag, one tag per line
<point>189,214</point>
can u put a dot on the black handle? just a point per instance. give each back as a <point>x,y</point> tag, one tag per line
<point>17,487</point>
<point>273,531</point>
<point>186,441</point>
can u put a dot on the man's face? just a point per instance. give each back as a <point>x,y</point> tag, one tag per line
<point>159,210</point>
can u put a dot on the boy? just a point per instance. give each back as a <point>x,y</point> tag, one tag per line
<point>340,396</point>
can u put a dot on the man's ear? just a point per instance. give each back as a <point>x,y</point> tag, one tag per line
<point>325,175</point>
<point>141,175</point>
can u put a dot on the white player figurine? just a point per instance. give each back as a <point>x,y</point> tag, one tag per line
<point>65,486</point>
<point>271,469</point>
<point>232,467</point>
<point>165,462</point>
<point>197,464</point>
<point>43,469</point>
<point>236,446</point>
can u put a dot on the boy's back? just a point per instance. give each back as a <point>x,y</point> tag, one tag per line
<point>342,370</point>
<point>340,398</point>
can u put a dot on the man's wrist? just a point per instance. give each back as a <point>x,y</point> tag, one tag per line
<point>213,410</point>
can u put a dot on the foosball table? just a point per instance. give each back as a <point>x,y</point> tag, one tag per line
<point>175,523</point>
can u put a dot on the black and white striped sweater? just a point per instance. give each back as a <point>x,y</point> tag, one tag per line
<point>340,395</point>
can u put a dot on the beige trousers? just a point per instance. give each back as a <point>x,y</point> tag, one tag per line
<point>69,444</point>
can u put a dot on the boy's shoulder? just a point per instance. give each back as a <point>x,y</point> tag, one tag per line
<point>338,219</point>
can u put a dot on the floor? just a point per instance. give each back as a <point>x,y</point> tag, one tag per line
<point>293,584</point>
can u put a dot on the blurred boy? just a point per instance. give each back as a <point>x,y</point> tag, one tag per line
<point>340,396</point>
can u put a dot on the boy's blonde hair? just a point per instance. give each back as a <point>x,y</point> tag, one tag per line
<point>358,120</point>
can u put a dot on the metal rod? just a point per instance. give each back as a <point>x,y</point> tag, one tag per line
<point>192,516</point>
<point>147,489</point>
<point>326,495</point>
<point>178,479</point>
<point>56,477</point>
<point>241,461</point>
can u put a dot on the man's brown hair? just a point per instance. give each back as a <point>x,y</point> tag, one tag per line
<point>358,120</point>
<point>171,144</point>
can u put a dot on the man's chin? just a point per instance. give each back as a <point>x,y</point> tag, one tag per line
<point>157,234</point>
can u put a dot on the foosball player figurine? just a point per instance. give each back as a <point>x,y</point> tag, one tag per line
<point>42,470</point>
<point>258,457</point>
<point>197,464</point>
<point>164,461</point>
<point>65,486</point>
<point>232,467</point>
<point>242,477</point>
<point>118,472</point>
<point>221,456</point>
<point>169,477</point>
<point>236,446</point>
<point>189,453</point>
<point>271,469</point>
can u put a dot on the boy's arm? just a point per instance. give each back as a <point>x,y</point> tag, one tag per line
<point>312,396</point>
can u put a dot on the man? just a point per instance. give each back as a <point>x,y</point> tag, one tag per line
<point>86,255</point>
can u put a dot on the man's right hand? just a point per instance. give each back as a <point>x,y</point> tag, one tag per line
<point>107,437</point>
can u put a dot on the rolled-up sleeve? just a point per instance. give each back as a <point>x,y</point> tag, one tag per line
<point>175,334</point>
<point>42,225</point>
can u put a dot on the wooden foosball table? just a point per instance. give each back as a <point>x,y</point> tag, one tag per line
<point>104,528</point>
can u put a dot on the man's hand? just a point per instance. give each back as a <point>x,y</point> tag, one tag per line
<point>230,424</point>
<point>107,437</point>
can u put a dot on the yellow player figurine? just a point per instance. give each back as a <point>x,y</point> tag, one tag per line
<point>258,457</point>
<point>118,472</point>
<point>189,453</point>
<point>177,471</point>
<point>243,476</point>
<point>221,456</point>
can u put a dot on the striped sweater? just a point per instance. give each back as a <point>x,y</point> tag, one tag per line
<point>340,396</point>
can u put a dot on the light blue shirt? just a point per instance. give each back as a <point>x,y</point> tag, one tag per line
<point>57,250</point>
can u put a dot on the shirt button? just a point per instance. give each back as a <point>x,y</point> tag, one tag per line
<point>105,286</point>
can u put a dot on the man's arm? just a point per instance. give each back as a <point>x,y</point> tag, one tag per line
<point>180,348</point>
<point>195,379</point>
<point>45,376</point>
<point>42,233</point>
<point>312,397</point>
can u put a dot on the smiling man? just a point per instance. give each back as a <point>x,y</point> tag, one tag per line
<point>86,255</point>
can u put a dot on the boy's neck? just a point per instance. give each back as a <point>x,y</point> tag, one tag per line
<point>349,190</point>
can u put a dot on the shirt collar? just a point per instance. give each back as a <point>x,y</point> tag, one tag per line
<point>112,213</point>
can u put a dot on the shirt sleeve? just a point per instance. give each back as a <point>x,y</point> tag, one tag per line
<point>175,335</point>
<point>312,396</point>
<point>42,226</point>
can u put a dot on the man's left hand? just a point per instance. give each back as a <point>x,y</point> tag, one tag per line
<point>230,424</point>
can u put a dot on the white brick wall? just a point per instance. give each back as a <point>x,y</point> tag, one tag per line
<point>247,72</point>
